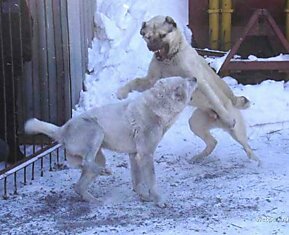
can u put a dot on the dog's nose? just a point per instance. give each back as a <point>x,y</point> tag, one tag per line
<point>193,79</point>
<point>152,47</point>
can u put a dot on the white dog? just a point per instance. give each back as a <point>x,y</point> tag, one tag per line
<point>134,127</point>
<point>216,104</point>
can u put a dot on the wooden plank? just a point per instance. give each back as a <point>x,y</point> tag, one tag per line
<point>258,65</point>
<point>88,12</point>
<point>25,100</point>
<point>83,33</point>
<point>75,40</point>
<point>61,34</point>
<point>51,62</point>
<point>59,61</point>
<point>42,56</point>
<point>66,83</point>
<point>90,21</point>
<point>33,81</point>
<point>3,118</point>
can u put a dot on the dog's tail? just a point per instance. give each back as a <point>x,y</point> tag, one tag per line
<point>35,126</point>
<point>241,102</point>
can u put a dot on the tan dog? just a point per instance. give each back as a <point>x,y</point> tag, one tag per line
<point>134,127</point>
<point>216,104</point>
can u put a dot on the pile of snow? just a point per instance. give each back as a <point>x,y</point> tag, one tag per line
<point>280,57</point>
<point>217,62</point>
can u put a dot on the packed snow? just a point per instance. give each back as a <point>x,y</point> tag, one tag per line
<point>216,63</point>
<point>224,194</point>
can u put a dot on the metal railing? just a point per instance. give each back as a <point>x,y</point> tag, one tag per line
<point>43,61</point>
<point>19,173</point>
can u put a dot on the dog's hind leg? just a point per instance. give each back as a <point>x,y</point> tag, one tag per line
<point>90,167</point>
<point>101,161</point>
<point>88,174</point>
<point>240,135</point>
<point>219,107</point>
<point>200,123</point>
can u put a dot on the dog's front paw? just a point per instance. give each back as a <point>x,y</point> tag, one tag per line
<point>161,204</point>
<point>122,93</point>
<point>159,201</point>
<point>143,192</point>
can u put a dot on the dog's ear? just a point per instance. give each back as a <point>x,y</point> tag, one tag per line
<point>142,33</point>
<point>179,93</point>
<point>171,21</point>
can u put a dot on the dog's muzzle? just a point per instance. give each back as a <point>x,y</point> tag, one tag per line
<point>160,51</point>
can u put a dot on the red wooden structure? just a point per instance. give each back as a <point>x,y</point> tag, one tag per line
<point>257,27</point>
<point>260,24</point>
<point>242,11</point>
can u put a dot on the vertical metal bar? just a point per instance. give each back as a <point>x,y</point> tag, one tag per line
<point>5,196</point>
<point>15,183</point>
<point>64,151</point>
<point>25,149</point>
<point>25,176</point>
<point>50,162</point>
<point>33,167</point>
<point>41,167</point>
<point>57,156</point>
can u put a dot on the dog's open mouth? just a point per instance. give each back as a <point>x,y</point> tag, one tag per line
<point>160,54</point>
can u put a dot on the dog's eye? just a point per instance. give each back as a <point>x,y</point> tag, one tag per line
<point>163,35</point>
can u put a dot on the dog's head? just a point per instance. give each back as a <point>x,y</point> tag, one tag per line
<point>169,96</point>
<point>161,35</point>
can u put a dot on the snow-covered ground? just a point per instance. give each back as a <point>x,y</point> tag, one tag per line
<point>225,194</point>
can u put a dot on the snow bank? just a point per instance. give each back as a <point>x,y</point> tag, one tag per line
<point>269,101</point>
<point>216,63</point>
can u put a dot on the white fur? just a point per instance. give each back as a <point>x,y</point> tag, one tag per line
<point>35,126</point>
<point>134,127</point>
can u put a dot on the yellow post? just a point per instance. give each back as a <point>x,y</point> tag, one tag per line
<point>287,19</point>
<point>226,24</point>
<point>214,23</point>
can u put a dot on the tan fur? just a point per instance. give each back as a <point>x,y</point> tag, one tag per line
<point>173,56</point>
